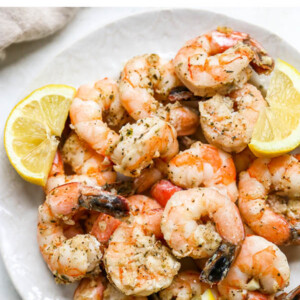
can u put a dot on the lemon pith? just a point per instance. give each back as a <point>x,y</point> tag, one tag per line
<point>33,128</point>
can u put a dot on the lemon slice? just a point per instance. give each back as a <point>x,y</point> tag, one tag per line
<point>277,130</point>
<point>33,128</point>
<point>208,295</point>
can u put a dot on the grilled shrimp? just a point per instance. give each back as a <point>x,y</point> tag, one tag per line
<point>186,286</point>
<point>218,61</point>
<point>141,142</point>
<point>196,221</point>
<point>135,261</point>
<point>204,165</point>
<point>259,271</point>
<point>72,259</point>
<point>228,121</point>
<point>276,216</point>
<point>143,79</point>
<point>86,113</point>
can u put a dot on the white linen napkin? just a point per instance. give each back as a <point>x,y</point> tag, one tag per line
<point>27,24</point>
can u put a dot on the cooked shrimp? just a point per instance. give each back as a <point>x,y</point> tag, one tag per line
<point>111,293</point>
<point>243,160</point>
<point>90,166</point>
<point>218,61</point>
<point>275,217</point>
<point>259,271</point>
<point>147,213</point>
<point>196,221</point>
<point>71,259</point>
<point>135,261</point>
<point>90,289</point>
<point>186,286</point>
<point>204,165</point>
<point>98,288</point>
<point>150,176</point>
<point>81,158</point>
<point>138,264</point>
<point>141,142</point>
<point>145,78</point>
<point>86,113</point>
<point>228,121</point>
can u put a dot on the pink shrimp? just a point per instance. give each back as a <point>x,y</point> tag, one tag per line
<point>204,165</point>
<point>218,61</point>
<point>275,216</point>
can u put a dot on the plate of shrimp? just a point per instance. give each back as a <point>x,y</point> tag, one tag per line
<point>153,192</point>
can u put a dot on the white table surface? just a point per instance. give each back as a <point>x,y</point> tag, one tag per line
<point>25,61</point>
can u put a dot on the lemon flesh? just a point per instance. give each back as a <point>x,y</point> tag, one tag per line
<point>207,295</point>
<point>277,130</point>
<point>33,129</point>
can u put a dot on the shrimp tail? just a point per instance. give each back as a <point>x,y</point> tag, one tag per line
<point>292,295</point>
<point>105,202</point>
<point>295,235</point>
<point>123,188</point>
<point>181,93</point>
<point>262,63</point>
<point>217,267</point>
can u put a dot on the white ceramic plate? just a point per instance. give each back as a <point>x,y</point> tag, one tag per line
<point>103,53</point>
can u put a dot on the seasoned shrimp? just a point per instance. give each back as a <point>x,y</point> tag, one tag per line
<point>81,158</point>
<point>243,160</point>
<point>135,261</point>
<point>204,165</point>
<point>228,121</point>
<point>86,113</point>
<point>259,271</point>
<point>98,288</point>
<point>145,78</point>
<point>195,222</point>
<point>90,289</point>
<point>218,61</point>
<point>71,259</point>
<point>111,293</point>
<point>141,142</point>
<point>186,286</point>
<point>91,168</point>
<point>276,216</point>
<point>149,176</point>
<point>147,213</point>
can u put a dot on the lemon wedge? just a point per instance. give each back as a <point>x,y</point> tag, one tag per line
<point>208,295</point>
<point>33,128</point>
<point>277,130</point>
